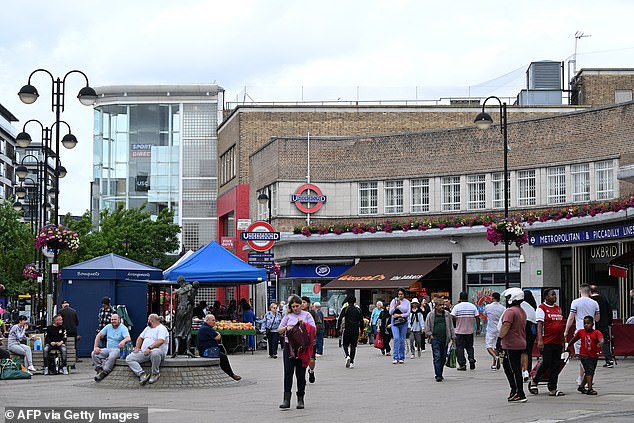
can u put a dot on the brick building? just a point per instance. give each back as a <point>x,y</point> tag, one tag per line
<point>377,163</point>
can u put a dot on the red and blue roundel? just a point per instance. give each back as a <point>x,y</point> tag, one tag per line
<point>308,194</point>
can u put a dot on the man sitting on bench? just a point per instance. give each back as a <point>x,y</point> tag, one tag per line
<point>55,339</point>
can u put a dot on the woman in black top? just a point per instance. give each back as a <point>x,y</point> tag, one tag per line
<point>383,328</point>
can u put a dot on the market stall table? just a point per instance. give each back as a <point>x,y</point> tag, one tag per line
<point>233,340</point>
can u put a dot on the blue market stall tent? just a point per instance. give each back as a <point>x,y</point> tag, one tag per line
<point>123,280</point>
<point>213,264</point>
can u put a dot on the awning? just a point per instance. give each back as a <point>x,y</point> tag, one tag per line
<point>385,274</point>
<point>619,265</point>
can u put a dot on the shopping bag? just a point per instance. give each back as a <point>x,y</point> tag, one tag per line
<point>11,369</point>
<point>451,357</point>
<point>378,342</point>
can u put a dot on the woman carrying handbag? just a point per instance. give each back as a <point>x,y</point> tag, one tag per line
<point>270,324</point>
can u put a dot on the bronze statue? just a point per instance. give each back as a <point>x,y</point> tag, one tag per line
<point>182,329</point>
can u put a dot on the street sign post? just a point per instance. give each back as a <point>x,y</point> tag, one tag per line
<point>260,236</point>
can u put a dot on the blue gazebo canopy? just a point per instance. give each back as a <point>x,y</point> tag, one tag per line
<point>214,264</point>
<point>111,266</point>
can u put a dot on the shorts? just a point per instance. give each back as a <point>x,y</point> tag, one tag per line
<point>491,339</point>
<point>589,364</point>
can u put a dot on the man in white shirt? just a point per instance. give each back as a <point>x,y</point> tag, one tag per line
<point>493,311</point>
<point>465,315</point>
<point>152,346</point>
<point>579,309</point>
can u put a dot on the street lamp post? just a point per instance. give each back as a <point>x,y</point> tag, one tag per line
<point>265,198</point>
<point>484,121</point>
<point>28,94</point>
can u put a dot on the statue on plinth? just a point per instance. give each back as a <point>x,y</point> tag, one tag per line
<point>185,301</point>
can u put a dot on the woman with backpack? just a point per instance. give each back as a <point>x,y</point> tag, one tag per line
<point>298,328</point>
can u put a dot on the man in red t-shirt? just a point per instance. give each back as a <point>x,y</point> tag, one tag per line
<point>550,342</point>
<point>591,343</point>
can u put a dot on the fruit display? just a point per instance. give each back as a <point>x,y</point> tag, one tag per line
<point>233,325</point>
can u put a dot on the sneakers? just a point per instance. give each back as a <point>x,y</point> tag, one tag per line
<point>439,378</point>
<point>154,378</point>
<point>525,375</point>
<point>45,372</point>
<point>394,361</point>
<point>98,369</point>
<point>347,362</point>
<point>311,375</point>
<point>65,370</point>
<point>32,369</point>
<point>143,378</point>
<point>472,365</point>
<point>532,387</point>
<point>462,368</point>
<point>351,366</point>
<point>609,364</point>
<point>401,362</point>
<point>413,355</point>
<point>100,376</point>
<point>517,398</point>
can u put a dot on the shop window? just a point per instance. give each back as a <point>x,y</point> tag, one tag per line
<point>605,179</point>
<point>420,195</point>
<point>526,188</point>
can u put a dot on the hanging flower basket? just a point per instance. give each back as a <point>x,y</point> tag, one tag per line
<point>57,237</point>
<point>510,229</point>
<point>30,272</point>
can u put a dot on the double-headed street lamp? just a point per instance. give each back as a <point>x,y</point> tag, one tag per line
<point>29,94</point>
<point>484,121</point>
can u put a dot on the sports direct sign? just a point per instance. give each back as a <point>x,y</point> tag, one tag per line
<point>260,236</point>
<point>308,198</point>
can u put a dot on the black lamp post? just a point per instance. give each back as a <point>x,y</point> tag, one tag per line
<point>126,244</point>
<point>87,96</point>
<point>484,121</point>
<point>265,198</point>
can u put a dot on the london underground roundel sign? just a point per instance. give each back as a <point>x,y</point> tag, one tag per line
<point>260,236</point>
<point>309,194</point>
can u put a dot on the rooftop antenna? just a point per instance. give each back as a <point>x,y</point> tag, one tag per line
<point>578,35</point>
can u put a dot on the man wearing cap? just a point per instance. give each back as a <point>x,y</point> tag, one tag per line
<point>116,337</point>
<point>71,321</point>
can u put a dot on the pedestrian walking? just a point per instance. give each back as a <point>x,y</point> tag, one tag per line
<point>416,329</point>
<point>384,328</point>
<point>513,340</point>
<point>604,324</point>
<point>270,325</point>
<point>400,310</point>
<point>529,305</point>
<point>493,311</point>
<point>351,319</point>
<point>440,332</point>
<point>465,315</point>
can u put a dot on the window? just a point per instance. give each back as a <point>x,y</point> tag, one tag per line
<point>556,178</point>
<point>228,165</point>
<point>476,189</point>
<point>497,182</point>
<point>526,188</point>
<point>420,195</point>
<point>605,179</point>
<point>450,186</point>
<point>368,194</point>
<point>622,96</point>
<point>393,196</point>
<point>580,175</point>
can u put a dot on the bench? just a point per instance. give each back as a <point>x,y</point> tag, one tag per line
<point>180,372</point>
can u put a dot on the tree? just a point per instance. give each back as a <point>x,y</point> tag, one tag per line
<point>17,249</point>
<point>148,240</point>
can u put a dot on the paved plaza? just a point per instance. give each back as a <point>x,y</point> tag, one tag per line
<point>375,390</point>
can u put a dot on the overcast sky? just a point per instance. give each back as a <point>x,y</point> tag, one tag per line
<point>397,48</point>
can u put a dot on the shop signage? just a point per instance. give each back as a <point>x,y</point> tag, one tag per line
<point>582,236</point>
<point>260,236</point>
<point>308,198</point>
<point>227,242</point>
<point>142,183</point>
<point>603,253</point>
<point>140,150</point>
<point>243,224</point>
<point>312,291</point>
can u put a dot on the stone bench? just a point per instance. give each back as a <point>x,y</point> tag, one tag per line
<point>180,372</point>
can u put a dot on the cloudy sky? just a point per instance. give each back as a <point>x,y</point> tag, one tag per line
<point>371,49</point>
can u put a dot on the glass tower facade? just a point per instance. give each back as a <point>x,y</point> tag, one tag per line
<point>157,146</point>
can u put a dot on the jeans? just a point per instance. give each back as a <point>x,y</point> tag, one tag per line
<point>47,350</point>
<point>293,366</point>
<point>21,349</point>
<point>105,359</point>
<point>250,344</point>
<point>551,356</point>
<point>350,339</point>
<point>273,338</point>
<point>439,351</point>
<point>464,342</point>
<point>399,332</point>
<point>607,346</point>
<point>134,361</point>
<point>319,342</point>
<point>416,341</point>
<point>513,370</point>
